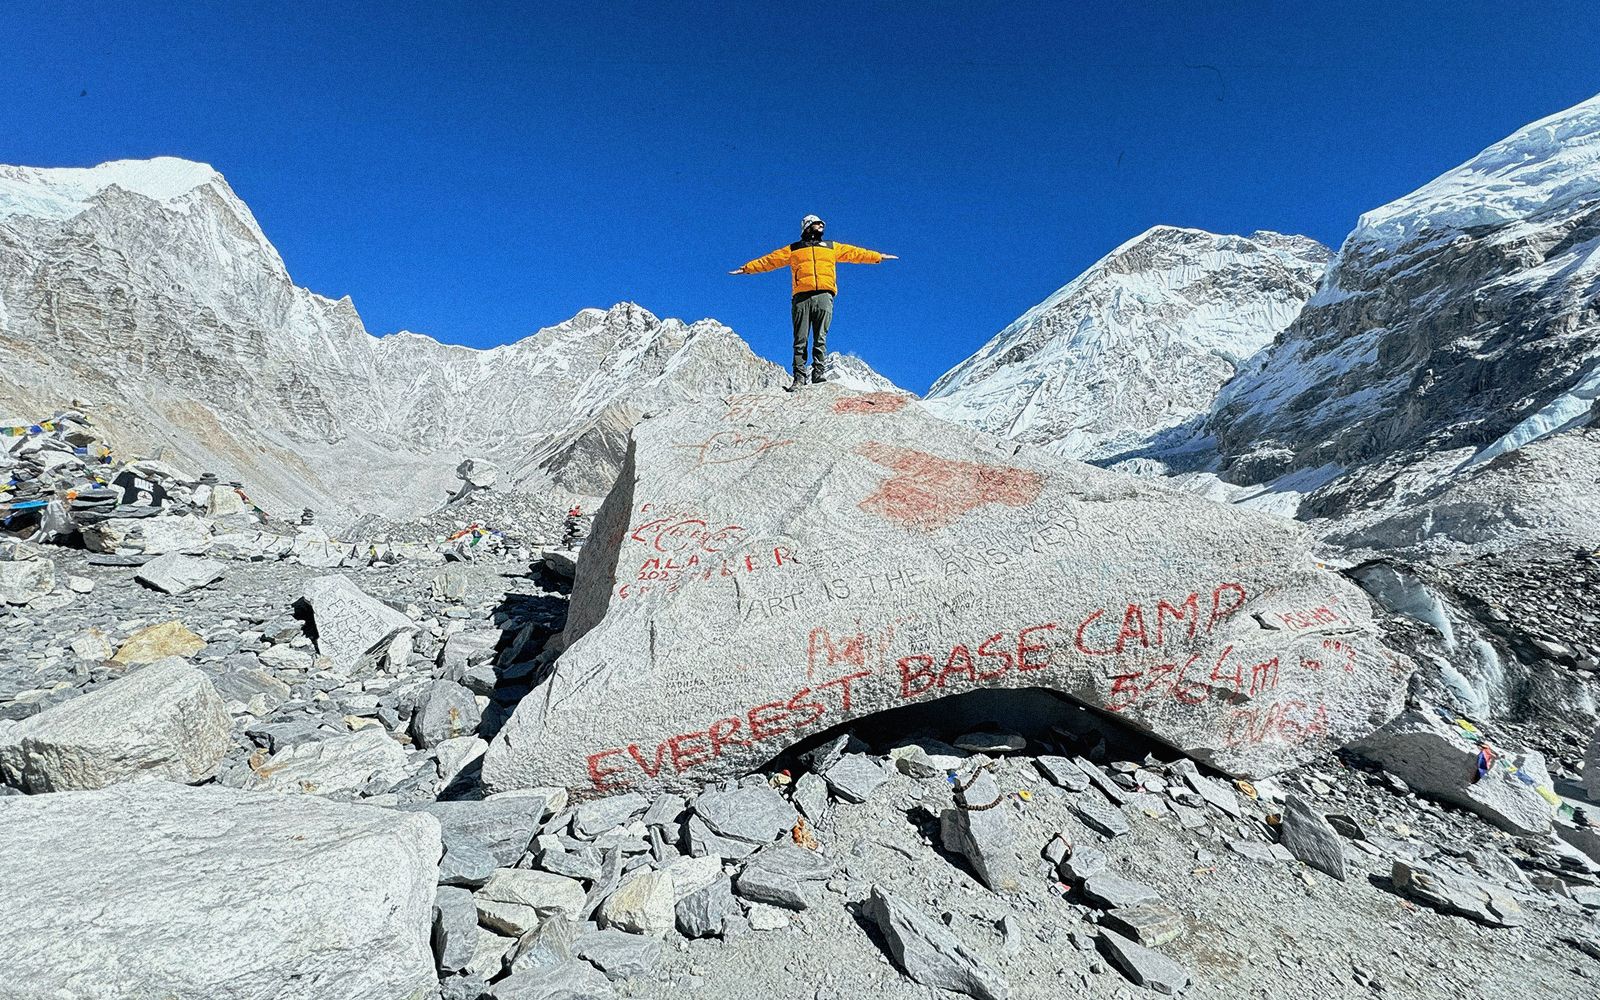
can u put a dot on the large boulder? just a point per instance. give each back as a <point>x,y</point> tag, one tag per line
<point>151,536</point>
<point>1451,760</point>
<point>161,890</point>
<point>353,629</point>
<point>162,721</point>
<point>780,564</point>
<point>25,580</point>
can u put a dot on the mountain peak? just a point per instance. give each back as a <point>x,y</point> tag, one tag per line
<point>62,192</point>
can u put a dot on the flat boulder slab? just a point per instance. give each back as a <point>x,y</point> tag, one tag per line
<point>161,721</point>
<point>778,564</point>
<point>157,642</point>
<point>157,889</point>
<point>174,573</point>
<point>353,629</point>
<point>929,953</point>
<point>1591,768</point>
<point>1450,761</point>
<point>338,764</point>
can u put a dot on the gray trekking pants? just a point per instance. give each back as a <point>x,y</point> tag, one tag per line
<point>812,314</point>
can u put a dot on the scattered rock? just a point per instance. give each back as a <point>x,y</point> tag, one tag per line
<point>213,892</point>
<point>643,904</point>
<point>333,765</point>
<point>514,900</point>
<point>704,912</point>
<point>1142,966</point>
<point>978,829</point>
<point>157,642</point>
<point>1113,891</point>
<point>778,874</point>
<point>1438,758</point>
<point>1150,924</point>
<point>1456,895</point>
<point>855,777</point>
<point>618,954</point>
<point>24,581</point>
<point>455,929</point>
<point>162,721</point>
<point>445,711</point>
<point>1062,772</point>
<point>353,630</point>
<point>1100,816</point>
<point>930,954</point>
<point>1311,838</point>
<point>753,813</point>
<point>173,573</point>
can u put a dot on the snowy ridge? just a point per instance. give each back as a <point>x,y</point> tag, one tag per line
<point>149,290</point>
<point>1542,167</point>
<point>59,193</point>
<point>1139,342</point>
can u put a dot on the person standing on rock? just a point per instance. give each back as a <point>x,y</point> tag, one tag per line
<point>813,269</point>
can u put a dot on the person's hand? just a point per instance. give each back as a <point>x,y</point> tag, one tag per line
<point>737,271</point>
<point>890,256</point>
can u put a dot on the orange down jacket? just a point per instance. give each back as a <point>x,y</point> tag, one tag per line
<point>812,264</point>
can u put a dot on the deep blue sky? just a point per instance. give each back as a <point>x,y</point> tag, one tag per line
<point>475,171</point>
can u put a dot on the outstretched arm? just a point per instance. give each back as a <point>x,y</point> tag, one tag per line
<point>771,262</point>
<point>847,254</point>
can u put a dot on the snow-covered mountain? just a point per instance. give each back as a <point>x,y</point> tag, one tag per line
<point>147,290</point>
<point>1139,342</point>
<point>1458,324</point>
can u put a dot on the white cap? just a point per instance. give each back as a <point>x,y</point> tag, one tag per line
<point>808,220</point>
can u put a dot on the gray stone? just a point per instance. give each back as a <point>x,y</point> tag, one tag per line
<point>1311,838</point>
<point>1214,792</point>
<point>703,913</point>
<point>618,954</point>
<point>150,536</point>
<point>828,754</point>
<point>463,653</point>
<point>1083,862</point>
<point>1142,966</point>
<point>1456,894</point>
<point>779,874</point>
<point>466,865</point>
<point>643,904</point>
<point>902,481</point>
<point>855,777</point>
<point>1150,924</point>
<point>1101,780</point>
<point>1438,759</point>
<point>753,813</point>
<point>980,830</point>
<point>1255,850</point>
<point>336,764</point>
<point>1062,772</point>
<point>1100,816</point>
<point>550,944</point>
<point>583,865</point>
<point>446,711</point>
<point>488,959</point>
<point>690,875</point>
<point>664,809</point>
<point>173,573</point>
<point>1112,891</point>
<point>572,980</point>
<point>251,690</point>
<point>599,815</point>
<point>503,826</point>
<point>24,581</point>
<point>514,900</point>
<point>162,721</point>
<point>353,630</point>
<point>455,929</point>
<point>217,893</point>
<point>704,843</point>
<point>811,795</point>
<point>929,953</point>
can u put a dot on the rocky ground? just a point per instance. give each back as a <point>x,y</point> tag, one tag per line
<point>1191,864</point>
<point>315,713</point>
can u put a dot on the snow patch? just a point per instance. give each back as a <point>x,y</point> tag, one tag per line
<point>1566,412</point>
<point>59,193</point>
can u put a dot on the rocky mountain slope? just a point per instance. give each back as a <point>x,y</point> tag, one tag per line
<point>1139,342</point>
<point>146,289</point>
<point>1458,324</point>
